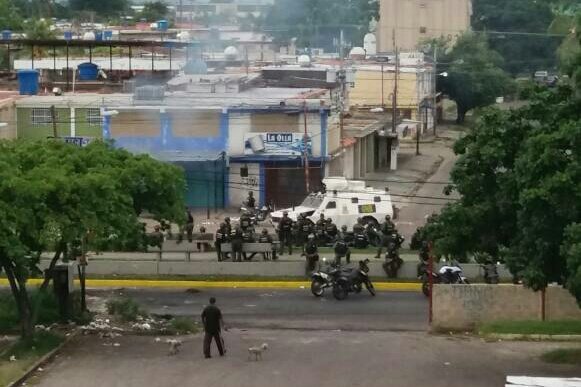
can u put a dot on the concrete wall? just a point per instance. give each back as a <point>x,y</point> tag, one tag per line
<point>70,122</point>
<point>463,307</point>
<point>367,89</point>
<point>417,20</point>
<point>8,116</point>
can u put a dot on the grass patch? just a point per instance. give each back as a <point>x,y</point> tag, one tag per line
<point>48,312</point>
<point>563,327</point>
<point>27,352</point>
<point>563,356</point>
<point>183,325</point>
<point>126,309</point>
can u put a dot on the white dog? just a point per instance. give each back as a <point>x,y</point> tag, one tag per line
<point>257,351</point>
<point>174,346</point>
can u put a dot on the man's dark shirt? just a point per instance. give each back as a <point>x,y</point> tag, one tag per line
<point>211,317</point>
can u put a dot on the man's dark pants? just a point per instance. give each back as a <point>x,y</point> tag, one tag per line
<point>208,341</point>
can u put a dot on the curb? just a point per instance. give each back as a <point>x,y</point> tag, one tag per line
<point>532,337</point>
<point>43,360</point>
<point>99,283</point>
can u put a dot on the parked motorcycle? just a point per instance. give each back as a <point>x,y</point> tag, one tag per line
<point>353,281</point>
<point>448,274</point>
<point>324,279</point>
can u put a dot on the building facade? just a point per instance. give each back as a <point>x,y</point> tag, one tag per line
<point>406,23</point>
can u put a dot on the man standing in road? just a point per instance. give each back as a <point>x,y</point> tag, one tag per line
<point>213,324</point>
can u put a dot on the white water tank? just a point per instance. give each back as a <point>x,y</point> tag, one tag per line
<point>89,36</point>
<point>357,53</point>
<point>304,61</point>
<point>184,36</point>
<point>231,53</point>
<point>370,44</point>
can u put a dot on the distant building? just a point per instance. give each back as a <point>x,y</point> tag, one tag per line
<point>405,23</point>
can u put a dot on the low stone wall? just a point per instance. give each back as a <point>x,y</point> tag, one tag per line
<point>465,306</point>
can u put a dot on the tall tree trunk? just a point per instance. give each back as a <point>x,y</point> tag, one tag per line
<point>18,289</point>
<point>48,272</point>
<point>461,114</point>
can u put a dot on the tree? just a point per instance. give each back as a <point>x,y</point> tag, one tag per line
<point>474,77</point>
<point>319,23</point>
<point>526,53</point>
<point>568,24</point>
<point>519,175</point>
<point>10,17</point>
<point>102,8</point>
<point>154,11</point>
<point>56,196</point>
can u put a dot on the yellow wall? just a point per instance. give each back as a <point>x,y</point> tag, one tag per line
<point>367,90</point>
<point>406,17</point>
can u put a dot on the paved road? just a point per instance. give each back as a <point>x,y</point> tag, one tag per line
<point>296,309</point>
<point>300,358</point>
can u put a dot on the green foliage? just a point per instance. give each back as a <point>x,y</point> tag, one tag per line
<point>518,175</point>
<point>10,16</point>
<point>154,11</point>
<point>570,49</point>
<point>523,54</point>
<point>127,309</point>
<point>38,29</point>
<point>315,23</point>
<point>559,327</point>
<point>40,344</point>
<point>474,75</point>
<point>183,325</point>
<point>103,8</point>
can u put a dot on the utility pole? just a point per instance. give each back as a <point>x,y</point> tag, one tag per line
<point>382,88</point>
<point>305,150</point>
<point>394,98</point>
<point>53,119</point>
<point>435,107</point>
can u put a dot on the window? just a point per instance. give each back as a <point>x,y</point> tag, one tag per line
<point>243,171</point>
<point>42,116</point>
<point>355,200</point>
<point>377,199</point>
<point>423,30</point>
<point>94,117</point>
<point>367,208</point>
<point>331,205</point>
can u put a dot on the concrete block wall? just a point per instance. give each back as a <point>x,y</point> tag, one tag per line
<point>465,306</point>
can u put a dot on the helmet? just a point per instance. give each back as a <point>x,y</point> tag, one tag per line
<point>359,220</point>
<point>264,231</point>
<point>387,217</point>
<point>227,219</point>
<point>285,213</point>
<point>311,236</point>
<point>329,220</point>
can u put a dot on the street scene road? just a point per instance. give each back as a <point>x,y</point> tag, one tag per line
<point>363,341</point>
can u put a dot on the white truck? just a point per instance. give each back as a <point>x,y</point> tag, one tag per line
<point>344,202</point>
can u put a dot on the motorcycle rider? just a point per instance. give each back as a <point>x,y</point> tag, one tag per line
<point>341,250</point>
<point>222,236</point>
<point>265,237</point>
<point>387,229</point>
<point>248,237</point>
<point>285,233</point>
<point>347,236</point>
<point>237,239</point>
<point>311,253</point>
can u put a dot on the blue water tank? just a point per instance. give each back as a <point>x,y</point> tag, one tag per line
<point>6,35</point>
<point>28,82</point>
<point>98,36</point>
<point>88,71</point>
<point>68,35</point>
<point>107,35</point>
<point>162,25</point>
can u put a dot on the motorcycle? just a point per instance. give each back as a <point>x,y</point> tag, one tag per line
<point>393,262</point>
<point>448,274</point>
<point>324,279</point>
<point>353,281</point>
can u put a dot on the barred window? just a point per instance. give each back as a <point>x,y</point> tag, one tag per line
<point>94,117</point>
<point>42,116</point>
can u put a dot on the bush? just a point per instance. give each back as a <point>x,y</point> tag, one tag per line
<point>125,308</point>
<point>182,325</point>
<point>40,344</point>
<point>48,312</point>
